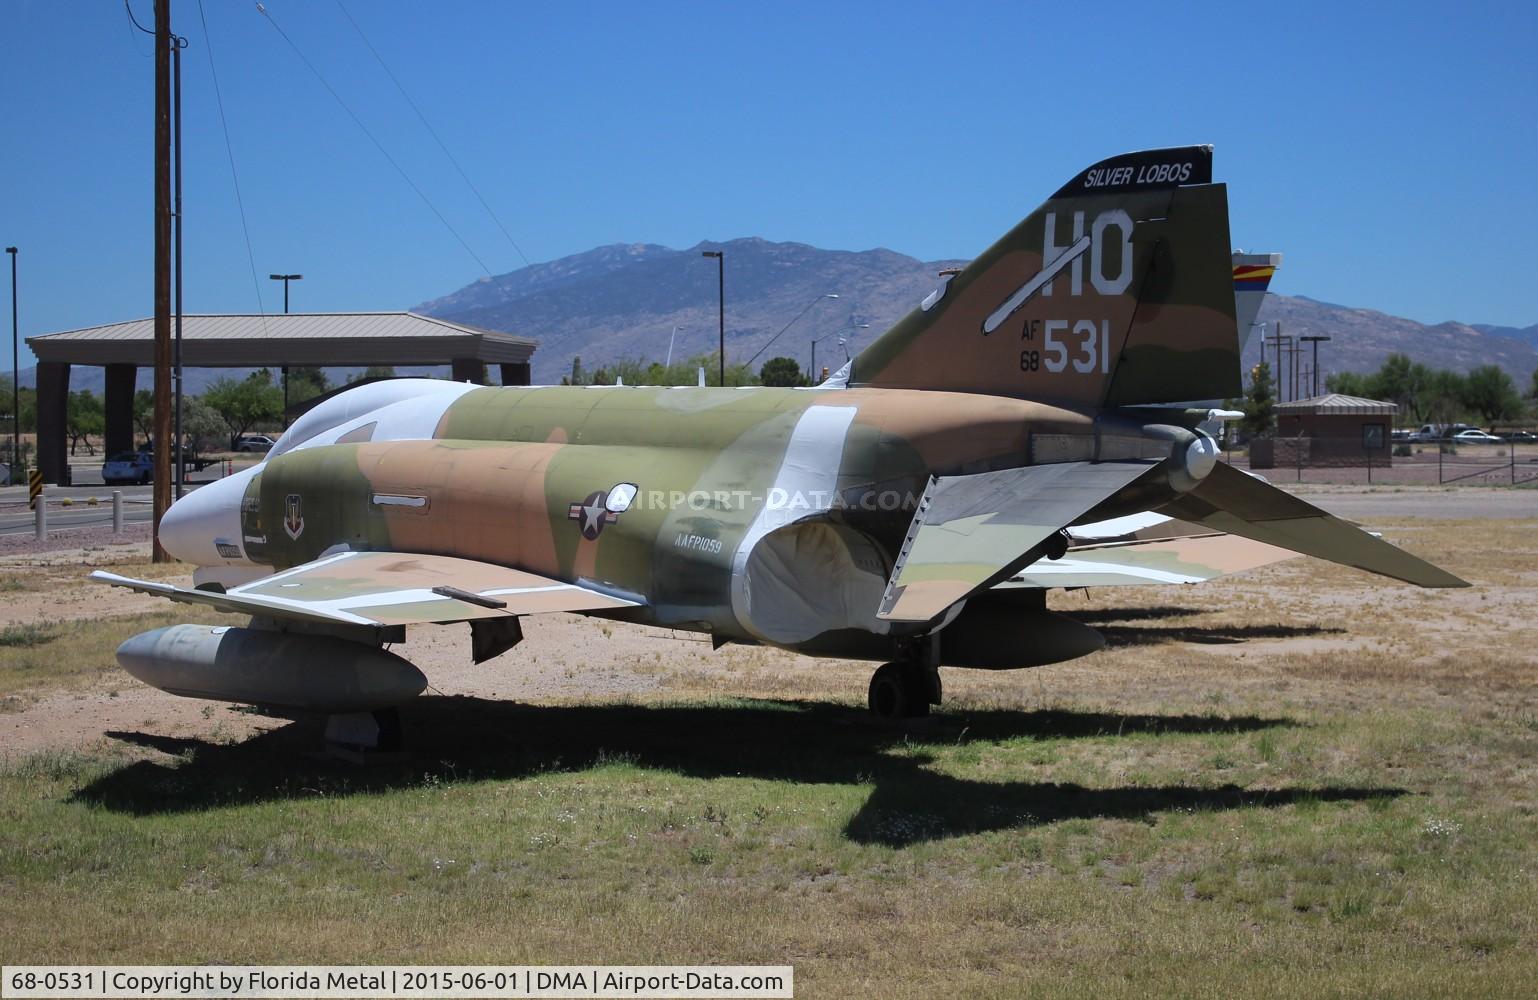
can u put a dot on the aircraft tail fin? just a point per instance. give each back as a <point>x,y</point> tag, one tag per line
<point>1252,275</point>
<point>1117,291</point>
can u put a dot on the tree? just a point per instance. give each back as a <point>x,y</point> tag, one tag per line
<point>244,403</point>
<point>1444,397</point>
<point>1259,403</point>
<point>1532,390</point>
<point>1349,384</point>
<point>780,372</point>
<point>28,410</point>
<point>144,413</point>
<point>306,382</point>
<point>201,425</point>
<point>1489,391</point>
<point>84,415</point>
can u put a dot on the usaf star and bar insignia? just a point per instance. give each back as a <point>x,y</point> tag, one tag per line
<point>601,507</point>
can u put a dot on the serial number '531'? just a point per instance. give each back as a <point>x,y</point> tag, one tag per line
<point>1086,347</point>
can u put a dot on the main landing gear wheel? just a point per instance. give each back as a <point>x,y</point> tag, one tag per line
<point>899,691</point>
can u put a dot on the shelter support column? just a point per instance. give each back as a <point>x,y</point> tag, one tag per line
<point>119,405</point>
<point>468,370</point>
<point>515,374</point>
<point>52,406</point>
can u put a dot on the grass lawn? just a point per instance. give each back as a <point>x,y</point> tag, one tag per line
<point>1301,783</point>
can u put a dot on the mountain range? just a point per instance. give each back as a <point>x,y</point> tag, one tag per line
<point>637,300</point>
<point>626,301</point>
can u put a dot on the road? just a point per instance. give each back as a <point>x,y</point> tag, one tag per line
<point>17,518</point>
<point>85,472</point>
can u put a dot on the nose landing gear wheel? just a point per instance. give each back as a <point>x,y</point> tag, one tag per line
<point>899,691</point>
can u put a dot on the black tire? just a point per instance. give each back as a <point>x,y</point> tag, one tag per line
<point>897,691</point>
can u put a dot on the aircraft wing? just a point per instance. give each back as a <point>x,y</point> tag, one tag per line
<point>971,531</point>
<point>389,588</point>
<point>1230,501</point>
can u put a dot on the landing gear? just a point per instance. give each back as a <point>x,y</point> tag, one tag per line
<point>904,690</point>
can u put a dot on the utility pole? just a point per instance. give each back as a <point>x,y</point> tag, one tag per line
<point>162,422</point>
<point>15,377</point>
<point>177,44</point>
<point>1281,372</point>
<point>721,308</point>
<point>1315,341</point>
<point>285,278</point>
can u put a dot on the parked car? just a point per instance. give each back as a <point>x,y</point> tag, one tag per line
<point>254,442</point>
<point>129,467</point>
<point>1476,437</point>
<point>1440,432</point>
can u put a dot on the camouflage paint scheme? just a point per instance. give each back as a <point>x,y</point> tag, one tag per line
<point>1021,398</point>
<point>498,483</point>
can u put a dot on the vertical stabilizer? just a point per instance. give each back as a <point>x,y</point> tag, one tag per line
<point>1252,276</point>
<point>1118,291</point>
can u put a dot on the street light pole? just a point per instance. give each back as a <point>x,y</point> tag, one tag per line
<point>787,326</point>
<point>15,376</point>
<point>814,373</point>
<point>721,306</point>
<point>285,278</point>
<point>1315,341</point>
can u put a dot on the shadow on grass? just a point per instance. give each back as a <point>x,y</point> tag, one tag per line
<point>472,739</point>
<point>1209,635</point>
<point>1091,616</point>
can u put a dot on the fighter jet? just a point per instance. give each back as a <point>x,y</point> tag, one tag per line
<point>1020,430</point>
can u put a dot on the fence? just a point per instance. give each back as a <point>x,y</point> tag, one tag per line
<point>1320,459</point>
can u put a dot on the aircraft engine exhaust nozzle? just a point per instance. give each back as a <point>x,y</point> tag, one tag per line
<point>1193,455</point>
<point>312,673</point>
<point>1201,456</point>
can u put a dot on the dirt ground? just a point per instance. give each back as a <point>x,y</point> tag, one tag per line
<point>566,657</point>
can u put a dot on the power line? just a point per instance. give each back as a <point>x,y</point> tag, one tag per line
<point>135,20</point>
<point>434,133</point>
<point>229,150</point>
<point>377,144</point>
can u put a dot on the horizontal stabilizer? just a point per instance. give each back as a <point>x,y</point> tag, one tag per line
<point>1192,559</point>
<point>972,531</point>
<point>389,588</point>
<point>1228,500</point>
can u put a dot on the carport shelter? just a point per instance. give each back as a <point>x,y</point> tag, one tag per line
<point>326,340</point>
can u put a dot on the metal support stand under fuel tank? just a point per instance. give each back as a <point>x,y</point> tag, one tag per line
<point>365,737</point>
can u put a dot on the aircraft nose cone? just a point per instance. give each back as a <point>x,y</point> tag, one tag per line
<point>203,527</point>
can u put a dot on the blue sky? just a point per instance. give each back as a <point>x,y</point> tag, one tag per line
<point>1388,151</point>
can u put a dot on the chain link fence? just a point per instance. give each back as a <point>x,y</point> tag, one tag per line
<point>1323,459</point>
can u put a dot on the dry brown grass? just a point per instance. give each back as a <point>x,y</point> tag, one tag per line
<point>1302,782</point>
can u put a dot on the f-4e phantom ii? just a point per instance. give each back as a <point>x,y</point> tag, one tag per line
<point>1031,424</point>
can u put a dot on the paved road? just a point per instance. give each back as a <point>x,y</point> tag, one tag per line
<point>16,518</point>
<point>1452,503</point>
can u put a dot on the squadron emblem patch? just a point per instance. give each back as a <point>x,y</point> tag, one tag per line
<point>293,516</point>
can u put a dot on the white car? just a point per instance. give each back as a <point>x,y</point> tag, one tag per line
<point>1476,437</point>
